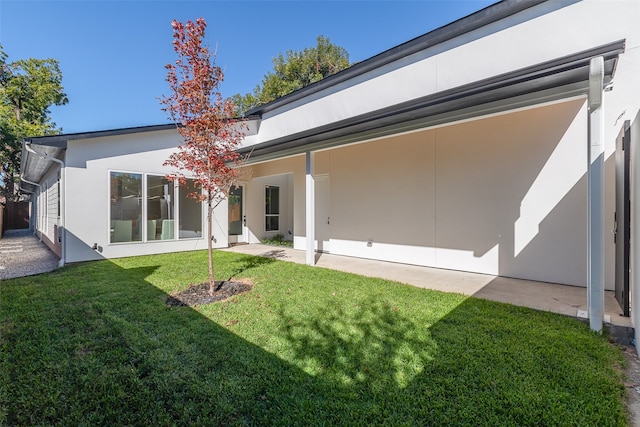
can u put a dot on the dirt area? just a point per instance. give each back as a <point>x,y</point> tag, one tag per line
<point>199,294</point>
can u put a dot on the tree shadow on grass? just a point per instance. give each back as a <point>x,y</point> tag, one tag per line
<point>372,346</point>
<point>483,363</point>
<point>248,262</point>
<point>96,344</point>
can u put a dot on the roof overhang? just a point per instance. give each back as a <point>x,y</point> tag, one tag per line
<point>33,167</point>
<point>560,78</point>
<point>479,19</point>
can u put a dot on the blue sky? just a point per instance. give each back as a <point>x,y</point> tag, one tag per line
<point>112,53</point>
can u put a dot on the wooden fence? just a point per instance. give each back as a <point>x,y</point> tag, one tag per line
<point>16,216</point>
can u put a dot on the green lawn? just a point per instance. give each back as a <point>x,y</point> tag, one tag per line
<point>95,344</point>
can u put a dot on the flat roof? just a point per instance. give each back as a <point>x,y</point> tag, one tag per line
<point>481,18</point>
<point>551,80</point>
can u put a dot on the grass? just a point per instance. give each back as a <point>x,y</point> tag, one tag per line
<point>95,344</point>
<point>277,240</point>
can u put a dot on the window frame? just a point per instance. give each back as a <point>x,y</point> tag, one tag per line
<point>175,210</point>
<point>144,210</point>
<point>178,216</point>
<point>268,215</point>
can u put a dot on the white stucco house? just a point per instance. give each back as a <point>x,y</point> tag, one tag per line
<point>493,144</point>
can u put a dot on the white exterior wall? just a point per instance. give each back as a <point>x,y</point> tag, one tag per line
<point>284,174</point>
<point>255,209</point>
<point>560,29</point>
<point>538,34</point>
<point>88,165</point>
<point>500,195</point>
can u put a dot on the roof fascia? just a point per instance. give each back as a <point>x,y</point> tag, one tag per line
<point>61,140</point>
<point>481,18</point>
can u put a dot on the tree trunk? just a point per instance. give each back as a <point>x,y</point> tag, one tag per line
<point>212,283</point>
<point>9,185</point>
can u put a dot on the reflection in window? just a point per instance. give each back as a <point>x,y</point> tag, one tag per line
<point>126,207</point>
<point>235,211</point>
<point>190,212</point>
<point>160,208</point>
<point>272,208</point>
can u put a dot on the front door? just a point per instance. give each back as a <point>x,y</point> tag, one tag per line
<point>323,220</point>
<point>622,226</point>
<point>237,219</point>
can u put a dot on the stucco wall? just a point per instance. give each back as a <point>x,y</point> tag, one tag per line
<point>288,174</point>
<point>541,33</point>
<point>255,208</point>
<point>502,195</point>
<point>88,165</point>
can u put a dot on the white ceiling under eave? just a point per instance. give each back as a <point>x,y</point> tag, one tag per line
<point>33,167</point>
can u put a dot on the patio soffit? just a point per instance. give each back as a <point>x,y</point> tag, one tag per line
<point>553,80</point>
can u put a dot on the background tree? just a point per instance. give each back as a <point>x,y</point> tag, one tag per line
<point>295,70</point>
<point>28,88</point>
<point>205,122</point>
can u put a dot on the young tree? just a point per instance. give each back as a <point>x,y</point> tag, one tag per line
<point>28,87</point>
<point>205,121</point>
<point>294,71</point>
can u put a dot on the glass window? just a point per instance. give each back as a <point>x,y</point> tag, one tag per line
<point>125,207</point>
<point>160,208</point>
<point>190,212</point>
<point>235,211</point>
<point>272,208</point>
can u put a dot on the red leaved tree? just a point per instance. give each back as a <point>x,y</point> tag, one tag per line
<point>205,121</point>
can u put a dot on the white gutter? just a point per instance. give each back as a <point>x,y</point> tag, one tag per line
<point>595,196</point>
<point>35,205</point>
<point>62,227</point>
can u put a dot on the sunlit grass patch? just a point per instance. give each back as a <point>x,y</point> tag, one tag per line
<point>95,343</point>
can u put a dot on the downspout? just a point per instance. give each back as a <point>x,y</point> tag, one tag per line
<point>63,233</point>
<point>595,196</point>
<point>35,206</point>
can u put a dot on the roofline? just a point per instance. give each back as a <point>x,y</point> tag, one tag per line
<point>481,18</point>
<point>566,71</point>
<point>60,140</point>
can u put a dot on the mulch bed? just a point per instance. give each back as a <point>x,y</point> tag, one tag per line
<point>199,294</point>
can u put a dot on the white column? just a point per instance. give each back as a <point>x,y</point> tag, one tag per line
<point>310,211</point>
<point>595,172</point>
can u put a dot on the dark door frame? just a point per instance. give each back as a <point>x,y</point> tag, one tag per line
<point>622,217</point>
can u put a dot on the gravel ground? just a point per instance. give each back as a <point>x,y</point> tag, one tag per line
<point>22,254</point>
